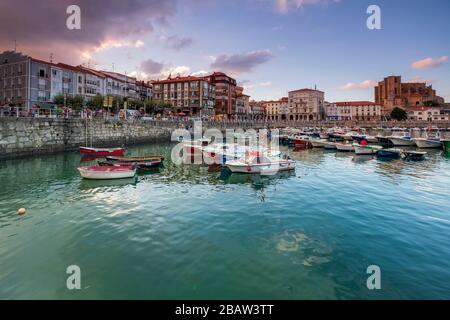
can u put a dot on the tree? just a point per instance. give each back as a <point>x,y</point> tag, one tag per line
<point>431,103</point>
<point>399,114</point>
<point>77,102</point>
<point>96,102</point>
<point>59,99</point>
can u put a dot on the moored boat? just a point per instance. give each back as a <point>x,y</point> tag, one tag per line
<point>367,149</point>
<point>135,159</point>
<point>102,151</point>
<point>142,166</point>
<point>391,153</point>
<point>404,140</point>
<point>346,147</point>
<point>107,172</point>
<point>318,143</point>
<point>414,155</point>
<point>330,145</point>
<point>261,164</point>
<point>428,143</point>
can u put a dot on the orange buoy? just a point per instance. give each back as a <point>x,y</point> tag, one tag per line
<point>21,211</point>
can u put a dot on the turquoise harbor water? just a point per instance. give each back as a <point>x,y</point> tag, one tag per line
<point>191,233</point>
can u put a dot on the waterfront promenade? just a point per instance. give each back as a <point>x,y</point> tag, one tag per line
<point>27,134</point>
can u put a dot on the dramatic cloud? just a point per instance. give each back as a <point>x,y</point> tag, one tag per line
<point>429,63</point>
<point>40,26</point>
<point>176,43</point>
<point>241,63</point>
<point>151,67</point>
<point>284,6</point>
<point>366,84</point>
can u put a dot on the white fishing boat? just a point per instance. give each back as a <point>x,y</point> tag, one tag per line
<point>367,149</point>
<point>371,139</point>
<point>428,143</point>
<point>404,140</point>
<point>318,143</point>
<point>259,163</point>
<point>346,147</point>
<point>107,172</point>
<point>329,145</point>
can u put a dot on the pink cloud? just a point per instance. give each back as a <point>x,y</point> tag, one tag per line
<point>429,63</point>
<point>366,84</point>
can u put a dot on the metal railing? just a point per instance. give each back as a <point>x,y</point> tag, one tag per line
<point>17,112</point>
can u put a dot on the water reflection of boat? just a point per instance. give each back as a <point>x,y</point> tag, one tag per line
<point>93,184</point>
<point>90,158</point>
<point>363,158</point>
<point>229,177</point>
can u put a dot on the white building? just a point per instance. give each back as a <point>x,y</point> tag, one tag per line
<point>306,105</point>
<point>427,114</point>
<point>358,110</point>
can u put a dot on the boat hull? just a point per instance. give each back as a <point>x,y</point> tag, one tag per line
<point>428,144</point>
<point>330,146</point>
<point>102,152</point>
<point>366,151</point>
<point>402,142</point>
<point>318,143</point>
<point>261,168</point>
<point>389,153</point>
<point>106,173</point>
<point>345,147</point>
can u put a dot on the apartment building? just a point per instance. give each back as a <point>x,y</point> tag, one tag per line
<point>272,109</point>
<point>422,113</point>
<point>306,105</point>
<point>225,94</point>
<point>190,95</point>
<point>358,110</point>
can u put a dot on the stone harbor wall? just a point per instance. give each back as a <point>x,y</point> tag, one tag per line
<point>32,136</point>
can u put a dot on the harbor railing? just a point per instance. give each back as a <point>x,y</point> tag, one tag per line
<point>67,113</point>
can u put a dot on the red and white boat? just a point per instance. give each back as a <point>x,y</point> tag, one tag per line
<point>118,152</point>
<point>107,172</point>
<point>263,164</point>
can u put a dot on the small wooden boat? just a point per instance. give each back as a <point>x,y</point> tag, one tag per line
<point>106,172</point>
<point>135,159</point>
<point>102,151</point>
<point>390,153</point>
<point>142,166</point>
<point>414,155</point>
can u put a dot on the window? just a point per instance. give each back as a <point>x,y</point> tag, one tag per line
<point>41,73</point>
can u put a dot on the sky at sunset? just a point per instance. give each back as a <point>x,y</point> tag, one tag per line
<point>269,46</point>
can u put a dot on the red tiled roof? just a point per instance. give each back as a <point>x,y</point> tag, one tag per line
<point>46,62</point>
<point>420,108</point>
